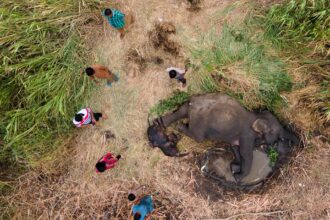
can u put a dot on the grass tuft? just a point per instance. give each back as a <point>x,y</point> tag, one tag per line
<point>272,155</point>
<point>172,102</point>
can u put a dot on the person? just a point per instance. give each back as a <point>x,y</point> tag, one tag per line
<point>178,74</point>
<point>118,20</point>
<point>101,72</point>
<point>143,208</point>
<point>106,162</point>
<point>135,194</point>
<point>86,117</point>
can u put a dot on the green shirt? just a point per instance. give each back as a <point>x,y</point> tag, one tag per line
<point>117,20</point>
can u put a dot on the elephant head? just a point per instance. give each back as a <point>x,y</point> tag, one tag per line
<point>269,128</point>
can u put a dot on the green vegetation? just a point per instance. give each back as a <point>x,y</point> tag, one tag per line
<point>42,54</point>
<point>302,28</point>
<point>242,62</point>
<point>172,102</point>
<point>272,155</point>
<point>299,22</point>
<point>239,64</point>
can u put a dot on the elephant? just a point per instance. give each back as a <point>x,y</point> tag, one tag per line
<point>167,143</point>
<point>218,117</point>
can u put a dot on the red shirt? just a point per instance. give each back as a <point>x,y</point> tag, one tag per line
<point>109,160</point>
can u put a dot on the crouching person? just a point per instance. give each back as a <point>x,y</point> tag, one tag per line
<point>106,162</point>
<point>142,209</point>
<point>86,117</point>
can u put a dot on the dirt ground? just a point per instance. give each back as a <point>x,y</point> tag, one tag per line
<point>301,191</point>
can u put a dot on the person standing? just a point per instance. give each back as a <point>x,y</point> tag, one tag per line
<point>118,20</point>
<point>101,72</point>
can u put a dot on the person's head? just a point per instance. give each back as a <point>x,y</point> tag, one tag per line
<point>131,197</point>
<point>108,12</point>
<point>78,117</point>
<point>172,74</point>
<point>137,216</point>
<point>89,71</point>
<point>100,166</point>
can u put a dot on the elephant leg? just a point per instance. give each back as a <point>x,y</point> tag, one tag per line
<point>235,151</point>
<point>246,152</point>
<point>236,164</point>
<point>181,113</point>
<point>185,130</point>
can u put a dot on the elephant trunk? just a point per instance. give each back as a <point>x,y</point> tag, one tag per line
<point>290,136</point>
<point>181,113</point>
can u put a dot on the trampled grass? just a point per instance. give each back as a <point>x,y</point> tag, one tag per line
<point>42,55</point>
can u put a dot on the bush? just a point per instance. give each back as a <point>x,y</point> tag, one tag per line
<point>41,88</point>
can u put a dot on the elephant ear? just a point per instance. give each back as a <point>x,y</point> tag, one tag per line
<point>261,126</point>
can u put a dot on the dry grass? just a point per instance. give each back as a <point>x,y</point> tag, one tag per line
<point>160,37</point>
<point>300,192</point>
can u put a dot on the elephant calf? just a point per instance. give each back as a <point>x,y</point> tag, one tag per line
<point>219,117</point>
<point>167,143</point>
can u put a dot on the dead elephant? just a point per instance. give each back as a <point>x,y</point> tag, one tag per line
<point>219,117</point>
<point>167,143</point>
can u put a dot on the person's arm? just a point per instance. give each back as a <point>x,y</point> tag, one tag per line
<point>120,15</point>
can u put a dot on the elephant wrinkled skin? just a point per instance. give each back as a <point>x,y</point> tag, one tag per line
<point>219,117</point>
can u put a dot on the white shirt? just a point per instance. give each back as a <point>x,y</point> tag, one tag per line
<point>87,117</point>
<point>178,70</point>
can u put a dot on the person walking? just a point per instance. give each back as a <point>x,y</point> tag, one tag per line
<point>118,20</point>
<point>101,72</point>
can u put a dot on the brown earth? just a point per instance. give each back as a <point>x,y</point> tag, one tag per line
<point>72,189</point>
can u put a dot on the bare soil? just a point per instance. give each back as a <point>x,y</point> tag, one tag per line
<point>73,190</point>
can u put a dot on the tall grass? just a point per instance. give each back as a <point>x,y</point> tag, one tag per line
<point>42,55</point>
<point>299,23</point>
<point>301,28</point>
<point>239,64</point>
